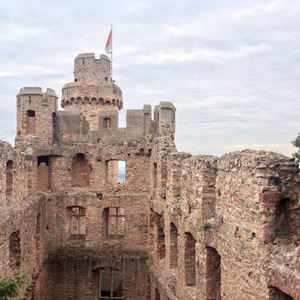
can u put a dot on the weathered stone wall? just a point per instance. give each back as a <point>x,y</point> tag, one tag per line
<point>23,223</point>
<point>75,274</point>
<point>223,220</point>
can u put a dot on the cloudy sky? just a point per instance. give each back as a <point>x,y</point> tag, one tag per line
<point>231,68</point>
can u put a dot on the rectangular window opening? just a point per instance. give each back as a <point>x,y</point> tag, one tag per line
<point>121,171</point>
<point>110,281</point>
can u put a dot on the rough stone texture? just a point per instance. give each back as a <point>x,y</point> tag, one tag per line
<point>179,227</point>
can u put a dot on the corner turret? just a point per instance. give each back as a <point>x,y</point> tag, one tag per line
<point>35,111</point>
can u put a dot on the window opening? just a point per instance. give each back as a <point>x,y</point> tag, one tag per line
<point>173,246</point>
<point>30,121</point>
<point>77,220</point>
<point>282,219</point>
<point>160,239</point>
<point>106,123</point>
<point>189,260</point>
<point>116,171</point>
<point>38,224</point>
<point>154,175</point>
<point>15,249</point>
<point>110,283</point>
<point>213,274</point>
<point>38,230</point>
<point>116,221</point>
<point>9,178</point>
<point>80,171</point>
<point>121,171</point>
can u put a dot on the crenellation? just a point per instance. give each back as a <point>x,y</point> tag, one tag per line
<point>91,210</point>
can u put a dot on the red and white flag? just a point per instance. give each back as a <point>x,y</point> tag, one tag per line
<point>108,46</point>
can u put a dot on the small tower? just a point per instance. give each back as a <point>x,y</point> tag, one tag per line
<point>164,114</point>
<point>93,89</point>
<point>35,113</point>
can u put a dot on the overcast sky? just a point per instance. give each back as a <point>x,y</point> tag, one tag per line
<point>231,68</point>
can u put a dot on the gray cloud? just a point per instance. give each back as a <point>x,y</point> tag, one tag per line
<point>231,68</point>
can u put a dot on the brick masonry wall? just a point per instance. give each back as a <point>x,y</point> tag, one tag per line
<point>22,247</point>
<point>221,203</point>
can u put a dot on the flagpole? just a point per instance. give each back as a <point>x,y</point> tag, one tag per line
<point>111,54</point>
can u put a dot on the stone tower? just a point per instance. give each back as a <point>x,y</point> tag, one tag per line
<point>93,89</point>
<point>35,111</point>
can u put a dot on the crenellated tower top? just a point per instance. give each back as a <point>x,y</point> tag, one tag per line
<point>93,88</point>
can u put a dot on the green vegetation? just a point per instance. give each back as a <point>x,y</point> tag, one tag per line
<point>296,143</point>
<point>9,288</point>
<point>207,226</point>
<point>283,235</point>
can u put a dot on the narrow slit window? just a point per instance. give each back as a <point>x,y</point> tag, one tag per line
<point>121,171</point>
<point>9,178</point>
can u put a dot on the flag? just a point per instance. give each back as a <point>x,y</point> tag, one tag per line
<point>108,46</point>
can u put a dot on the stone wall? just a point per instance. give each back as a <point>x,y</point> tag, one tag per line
<point>216,231</point>
<point>23,222</point>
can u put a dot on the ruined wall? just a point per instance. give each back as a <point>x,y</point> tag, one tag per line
<point>216,231</point>
<point>23,222</point>
<point>76,274</point>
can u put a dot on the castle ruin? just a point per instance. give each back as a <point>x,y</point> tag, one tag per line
<point>175,227</point>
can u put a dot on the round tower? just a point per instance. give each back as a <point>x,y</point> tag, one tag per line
<point>93,88</point>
